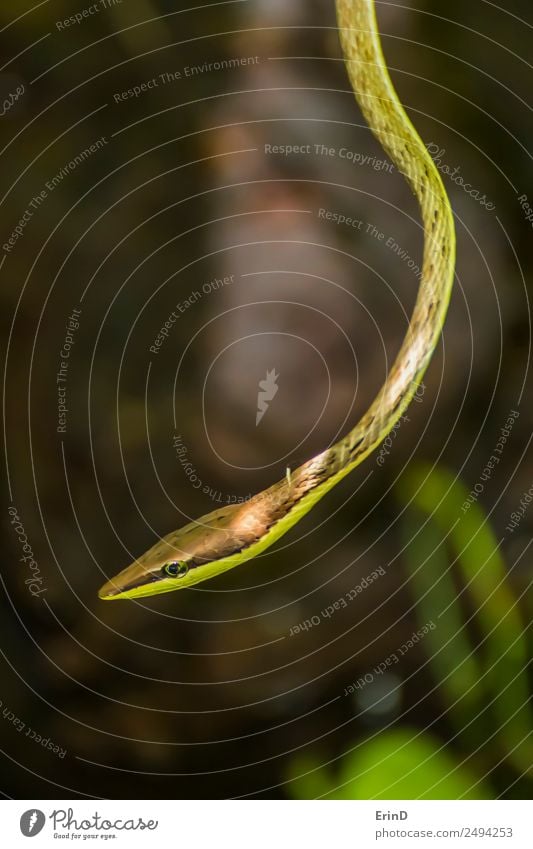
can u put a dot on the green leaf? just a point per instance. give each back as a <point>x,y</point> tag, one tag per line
<point>307,778</point>
<point>401,765</point>
<point>455,668</point>
<point>504,655</point>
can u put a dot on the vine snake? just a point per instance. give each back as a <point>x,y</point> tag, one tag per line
<point>233,534</point>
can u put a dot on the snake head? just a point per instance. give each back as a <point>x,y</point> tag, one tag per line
<point>200,550</point>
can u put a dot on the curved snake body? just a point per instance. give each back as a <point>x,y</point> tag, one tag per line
<point>236,533</point>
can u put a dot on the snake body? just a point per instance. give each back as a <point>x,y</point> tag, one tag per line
<point>231,535</point>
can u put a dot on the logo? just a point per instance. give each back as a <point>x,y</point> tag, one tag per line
<point>267,392</point>
<point>32,822</point>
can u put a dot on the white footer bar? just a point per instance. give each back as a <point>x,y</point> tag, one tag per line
<point>267,824</point>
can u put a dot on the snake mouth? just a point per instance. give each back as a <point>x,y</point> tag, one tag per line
<point>129,579</point>
<point>109,591</point>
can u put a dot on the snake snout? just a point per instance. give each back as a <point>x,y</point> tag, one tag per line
<point>108,591</point>
<point>133,577</point>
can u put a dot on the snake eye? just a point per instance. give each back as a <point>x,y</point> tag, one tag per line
<point>176,569</point>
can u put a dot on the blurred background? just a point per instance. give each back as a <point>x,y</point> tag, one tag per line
<point>176,186</point>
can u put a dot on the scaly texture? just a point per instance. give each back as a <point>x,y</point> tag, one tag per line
<point>230,536</point>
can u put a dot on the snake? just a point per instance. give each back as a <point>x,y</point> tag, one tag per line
<point>236,533</point>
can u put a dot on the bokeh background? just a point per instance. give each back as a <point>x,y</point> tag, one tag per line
<point>216,692</point>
